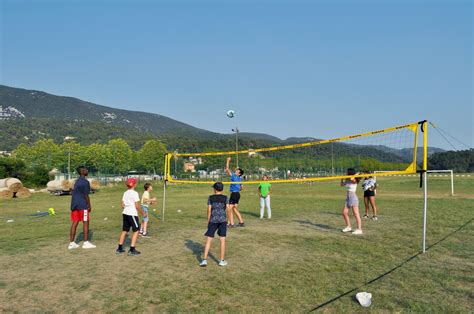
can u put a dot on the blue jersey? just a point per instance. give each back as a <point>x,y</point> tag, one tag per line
<point>235,187</point>
<point>80,191</point>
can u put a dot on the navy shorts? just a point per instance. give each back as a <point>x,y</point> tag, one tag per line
<point>130,222</point>
<point>234,198</point>
<point>220,227</point>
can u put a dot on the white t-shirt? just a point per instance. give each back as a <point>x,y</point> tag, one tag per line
<point>130,197</point>
<point>369,184</point>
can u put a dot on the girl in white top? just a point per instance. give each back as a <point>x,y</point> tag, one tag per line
<point>370,185</point>
<point>351,202</point>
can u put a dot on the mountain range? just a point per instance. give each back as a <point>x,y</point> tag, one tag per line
<point>29,115</point>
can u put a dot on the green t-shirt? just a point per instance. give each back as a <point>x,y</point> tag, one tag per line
<point>265,188</point>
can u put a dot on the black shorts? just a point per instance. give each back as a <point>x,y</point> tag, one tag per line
<point>369,193</point>
<point>130,222</point>
<point>221,228</point>
<point>234,198</point>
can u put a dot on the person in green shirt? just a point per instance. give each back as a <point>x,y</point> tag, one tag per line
<point>264,191</point>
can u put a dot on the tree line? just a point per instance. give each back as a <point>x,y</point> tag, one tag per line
<point>458,161</point>
<point>31,163</point>
<point>114,157</point>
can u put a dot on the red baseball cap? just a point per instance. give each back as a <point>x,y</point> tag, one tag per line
<point>131,181</point>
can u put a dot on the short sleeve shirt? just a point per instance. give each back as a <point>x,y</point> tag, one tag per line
<point>80,191</point>
<point>235,187</point>
<point>146,198</point>
<point>218,208</point>
<point>369,184</point>
<point>130,197</point>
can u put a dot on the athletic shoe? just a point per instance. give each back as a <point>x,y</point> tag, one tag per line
<point>141,232</point>
<point>72,246</point>
<point>375,218</point>
<point>203,263</point>
<point>241,224</point>
<point>366,216</point>
<point>357,231</point>
<point>88,245</point>
<point>133,253</point>
<point>119,251</point>
<point>145,235</point>
<point>347,229</point>
<point>223,263</point>
<point>261,217</point>
<point>231,226</point>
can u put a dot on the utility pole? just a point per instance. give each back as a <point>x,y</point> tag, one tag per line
<point>69,164</point>
<point>69,139</point>
<point>236,130</point>
<point>332,158</point>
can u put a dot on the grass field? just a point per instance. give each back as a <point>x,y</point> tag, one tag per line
<point>291,263</point>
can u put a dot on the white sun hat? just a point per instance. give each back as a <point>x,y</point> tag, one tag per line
<point>364,298</point>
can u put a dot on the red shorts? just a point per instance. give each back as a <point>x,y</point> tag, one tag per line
<point>78,215</point>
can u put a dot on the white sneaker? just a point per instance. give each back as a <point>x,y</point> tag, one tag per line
<point>88,245</point>
<point>223,263</point>
<point>347,229</point>
<point>357,231</point>
<point>72,246</point>
<point>203,263</point>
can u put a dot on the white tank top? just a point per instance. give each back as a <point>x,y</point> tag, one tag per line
<point>351,187</point>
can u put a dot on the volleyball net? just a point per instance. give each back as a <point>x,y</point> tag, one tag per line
<point>395,150</point>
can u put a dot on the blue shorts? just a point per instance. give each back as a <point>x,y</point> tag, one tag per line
<point>145,210</point>
<point>220,227</point>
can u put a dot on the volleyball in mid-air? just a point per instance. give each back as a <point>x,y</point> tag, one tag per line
<point>230,114</point>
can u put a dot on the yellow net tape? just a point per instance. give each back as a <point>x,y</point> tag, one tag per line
<point>412,167</point>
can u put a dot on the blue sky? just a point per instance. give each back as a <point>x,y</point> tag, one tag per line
<point>314,68</point>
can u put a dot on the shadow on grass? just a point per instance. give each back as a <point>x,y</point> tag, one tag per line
<point>80,237</point>
<point>316,226</point>
<point>336,213</point>
<point>250,214</point>
<point>198,250</point>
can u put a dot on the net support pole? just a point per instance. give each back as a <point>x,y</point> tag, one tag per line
<point>164,199</point>
<point>425,207</point>
<point>452,183</point>
<point>424,128</point>
<point>166,167</point>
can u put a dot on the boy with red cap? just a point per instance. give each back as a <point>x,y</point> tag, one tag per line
<point>131,206</point>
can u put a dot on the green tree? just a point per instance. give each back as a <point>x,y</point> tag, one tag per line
<point>121,155</point>
<point>150,156</point>
<point>99,158</point>
<point>43,153</point>
<point>78,155</point>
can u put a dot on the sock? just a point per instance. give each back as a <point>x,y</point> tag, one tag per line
<point>120,247</point>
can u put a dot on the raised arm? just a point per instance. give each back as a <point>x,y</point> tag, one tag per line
<point>227,166</point>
